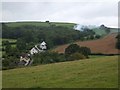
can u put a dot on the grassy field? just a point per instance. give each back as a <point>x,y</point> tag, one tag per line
<point>102,31</point>
<point>16,24</point>
<point>97,72</point>
<point>99,31</point>
<point>10,40</point>
<point>113,30</point>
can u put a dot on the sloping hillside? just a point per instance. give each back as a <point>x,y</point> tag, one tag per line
<point>103,32</point>
<point>97,72</point>
<point>104,45</point>
<point>46,24</point>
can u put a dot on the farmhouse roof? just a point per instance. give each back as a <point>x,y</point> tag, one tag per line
<point>43,43</point>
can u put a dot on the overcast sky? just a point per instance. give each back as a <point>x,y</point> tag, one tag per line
<point>85,13</point>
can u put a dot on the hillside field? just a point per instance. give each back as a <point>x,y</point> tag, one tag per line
<point>96,72</point>
<point>105,45</point>
<point>102,32</point>
<point>63,24</point>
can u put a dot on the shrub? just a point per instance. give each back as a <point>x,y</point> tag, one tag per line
<point>73,48</point>
<point>118,41</point>
<point>118,44</point>
<point>10,62</point>
<point>97,36</point>
<point>47,21</point>
<point>85,51</point>
<point>77,56</point>
<point>48,57</point>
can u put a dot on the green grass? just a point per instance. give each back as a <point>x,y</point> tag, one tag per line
<point>17,24</point>
<point>98,72</point>
<point>113,30</point>
<point>99,31</point>
<point>102,31</point>
<point>1,53</point>
<point>10,40</point>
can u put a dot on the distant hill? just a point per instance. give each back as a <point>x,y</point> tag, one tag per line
<point>46,24</point>
<point>105,45</point>
<point>96,72</point>
<point>59,33</point>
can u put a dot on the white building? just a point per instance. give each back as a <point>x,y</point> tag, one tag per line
<point>39,48</point>
<point>36,49</point>
<point>43,45</point>
<point>33,51</point>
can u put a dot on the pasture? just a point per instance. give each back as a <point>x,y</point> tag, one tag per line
<point>98,72</point>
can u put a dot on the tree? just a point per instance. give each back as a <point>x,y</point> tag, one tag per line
<point>91,37</point>
<point>7,47</point>
<point>21,45</point>
<point>118,41</point>
<point>72,49</point>
<point>10,62</point>
<point>47,21</point>
<point>77,56</point>
<point>97,36</point>
<point>118,36</point>
<point>118,44</point>
<point>48,57</point>
<point>85,51</point>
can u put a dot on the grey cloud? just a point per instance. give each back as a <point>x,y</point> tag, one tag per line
<point>78,12</point>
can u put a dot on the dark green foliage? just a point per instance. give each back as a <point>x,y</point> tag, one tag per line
<point>21,44</point>
<point>87,31</point>
<point>85,51</point>
<point>91,37</point>
<point>10,62</point>
<point>118,44</point>
<point>107,30</point>
<point>52,34</point>
<point>76,56</point>
<point>74,48</point>
<point>118,36</point>
<point>118,41</point>
<point>8,47</point>
<point>15,52</point>
<point>4,43</point>
<point>47,21</point>
<point>29,35</point>
<point>48,57</point>
<point>97,36</point>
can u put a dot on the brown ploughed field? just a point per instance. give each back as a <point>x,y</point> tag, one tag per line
<point>105,45</point>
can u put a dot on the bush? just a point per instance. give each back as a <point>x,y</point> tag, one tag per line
<point>97,36</point>
<point>118,44</point>
<point>10,62</point>
<point>48,57</point>
<point>47,21</point>
<point>85,51</point>
<point>91,37</point>
<point>77,56</point>
<point>73,48</point>
<point>118,41</point>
